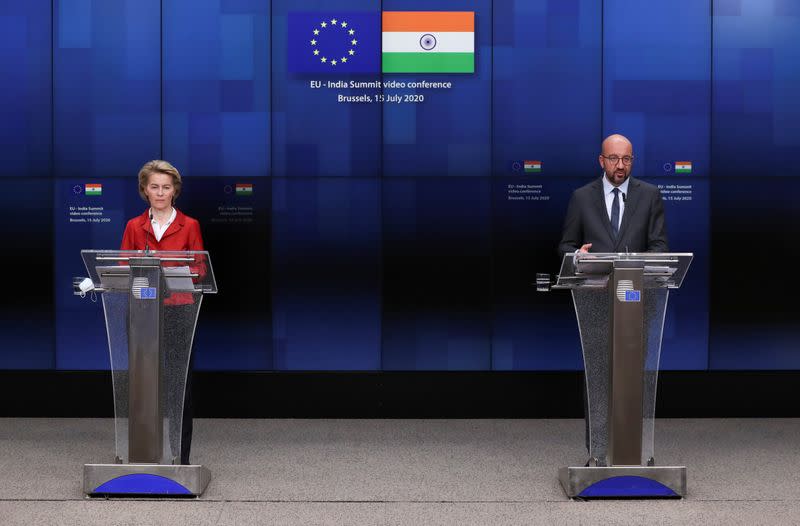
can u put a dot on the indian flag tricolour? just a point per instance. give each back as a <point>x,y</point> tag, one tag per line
<point>683,167</point>
<point>533,166</point>
<point>94,189</point>
<point>244,189</point>
<point>428,42</point>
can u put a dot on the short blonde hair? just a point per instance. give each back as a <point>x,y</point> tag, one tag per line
<point>159,167</point>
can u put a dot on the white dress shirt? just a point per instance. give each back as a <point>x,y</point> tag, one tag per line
<point>608,190</point>
<point>158,230</point>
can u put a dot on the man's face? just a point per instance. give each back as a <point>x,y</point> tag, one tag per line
<point>618,150</point>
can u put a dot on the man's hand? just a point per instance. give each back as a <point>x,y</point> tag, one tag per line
<point>585,248</point>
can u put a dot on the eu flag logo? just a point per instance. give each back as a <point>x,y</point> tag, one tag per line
<point>633,295</point>
<point>334,43</point>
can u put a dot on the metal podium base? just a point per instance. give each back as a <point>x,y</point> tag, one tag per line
<point>624,482</point>
<point>150,480</point>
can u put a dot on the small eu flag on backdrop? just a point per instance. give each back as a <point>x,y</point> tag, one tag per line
<point>334,43</point>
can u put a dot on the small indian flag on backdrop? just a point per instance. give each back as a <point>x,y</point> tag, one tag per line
<point>244,189</point>
<point>683,167</point>
<point>428,42</point>
<point>93,189</point>
<point>533,166</point>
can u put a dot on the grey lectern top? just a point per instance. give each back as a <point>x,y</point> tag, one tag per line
<point>592,270</point>
<point>151,302</point>
<point>620,302</point>
<point>185,270</point>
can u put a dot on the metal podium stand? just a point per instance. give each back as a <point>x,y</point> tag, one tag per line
<point>620,302</point>
<point>151,302</point>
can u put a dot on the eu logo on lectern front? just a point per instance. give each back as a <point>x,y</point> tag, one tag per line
<point>633,295</point>
<point>626,292</point>
<point>145,293</point>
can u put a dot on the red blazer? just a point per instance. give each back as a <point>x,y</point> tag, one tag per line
<point>182,234</point>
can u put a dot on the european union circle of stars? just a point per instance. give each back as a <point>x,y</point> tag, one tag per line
<point>335,29</point>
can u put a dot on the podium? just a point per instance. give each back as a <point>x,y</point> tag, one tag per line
<point>620,302</point>
<point>151,302</point>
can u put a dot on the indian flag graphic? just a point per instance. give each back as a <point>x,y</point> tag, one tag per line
<point>428,42</point>
<point>244,189</point>
<point>93,189</point>
<point>683,167</point>
<point>533,166</point>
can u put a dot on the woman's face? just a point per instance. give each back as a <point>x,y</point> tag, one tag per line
<point>159,191</point>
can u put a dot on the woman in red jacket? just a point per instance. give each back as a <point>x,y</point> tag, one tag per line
<point>164,227</point>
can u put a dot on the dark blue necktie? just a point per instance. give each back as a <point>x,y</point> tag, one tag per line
<point>615,213</point>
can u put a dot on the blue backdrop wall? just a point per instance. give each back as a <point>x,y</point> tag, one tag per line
<point>397,235</point>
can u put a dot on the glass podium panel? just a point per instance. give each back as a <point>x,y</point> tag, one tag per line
<point>176,343</point>
<point>164,343</point>
<point>588,277</point>
<point>116,307</point>
<point>591,308</point>
<point>655,308</point>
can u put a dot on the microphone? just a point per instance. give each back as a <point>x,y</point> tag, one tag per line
<point>624,197</point>
<point>146,234</point>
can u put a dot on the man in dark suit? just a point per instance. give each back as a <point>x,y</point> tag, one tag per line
<point>615,213</point>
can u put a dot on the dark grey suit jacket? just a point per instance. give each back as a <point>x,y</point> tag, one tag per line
<point>642,228</point>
